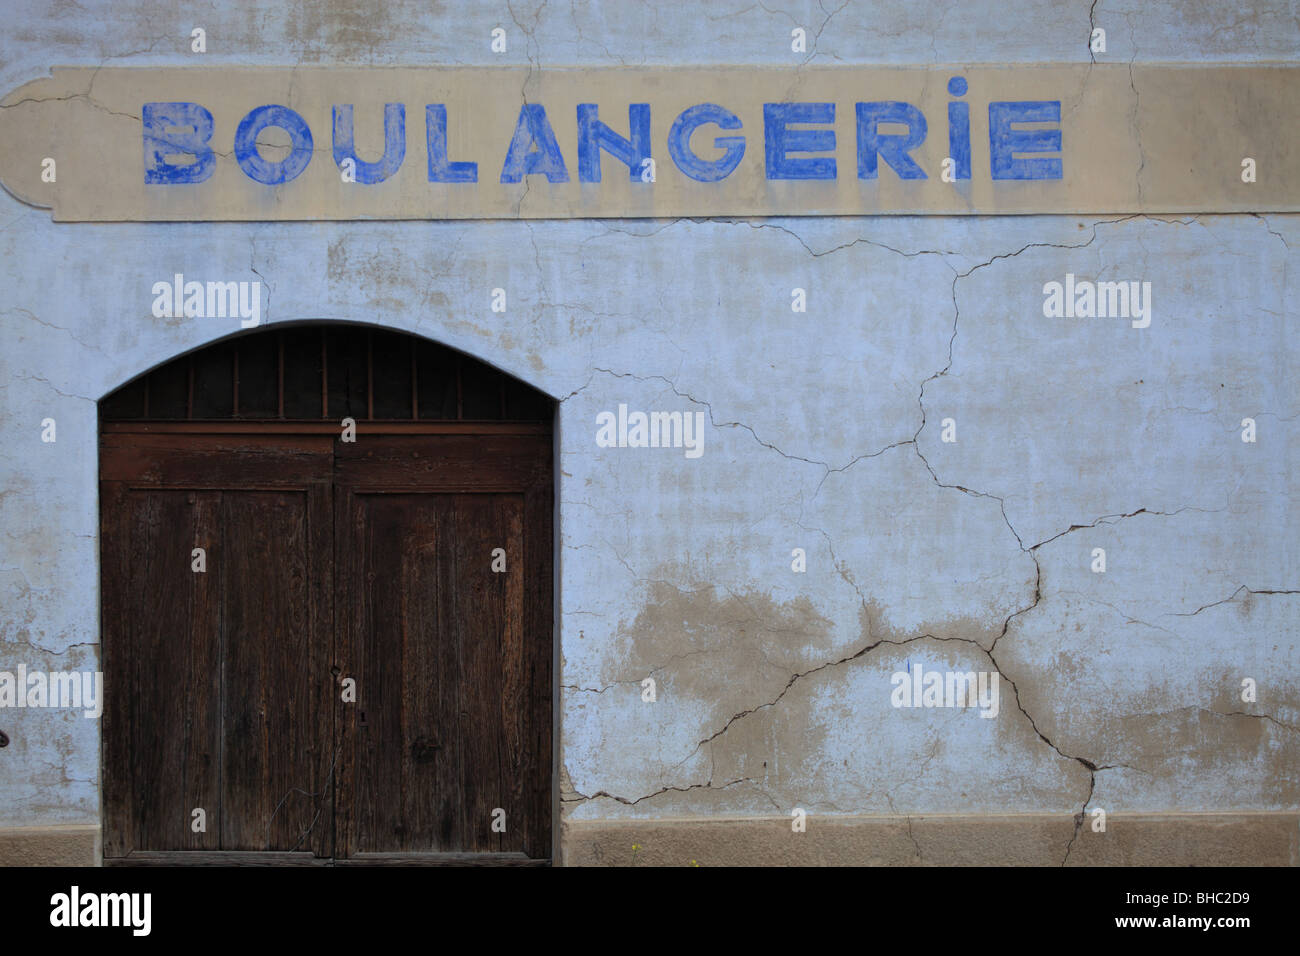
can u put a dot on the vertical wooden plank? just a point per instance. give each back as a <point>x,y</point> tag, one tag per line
<point>380,738</point>
<point>202,773</point>
<point>450,691</point>
<point>407,774</point>
<point>430,682</point>
<point>270,743</point>
<point>160,634</point>
<point>174,687</point>
<point>346,588</point>
<point>480,621</point>
<point>117,657</point>
<point>538,637</point>
<point>323,683</point>
<point>517,718</point>
<point>418,528</point>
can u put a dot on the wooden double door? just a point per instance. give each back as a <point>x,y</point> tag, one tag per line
<point>317,650</point>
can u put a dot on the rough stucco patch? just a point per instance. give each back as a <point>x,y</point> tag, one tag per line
<point>674,624</point>
<point>924,840</point>
<point>709,654</point>
<point>1201,839</point>
<point>835,743</point>
<point>1164,704</point>
<point>49,846</point>
<point>831,740</point>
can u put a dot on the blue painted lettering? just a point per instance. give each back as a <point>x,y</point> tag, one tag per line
<point>251,161</point>
<point>959,129</point>
<point>893,147</point>
<point>533,148</point>
<point>177,129</point>
<point>440,170</point>
<point>679,143</point>
<point>593,136</point>
<point>779,140</point>
<point>1004,141</point>
<point>394,143</point>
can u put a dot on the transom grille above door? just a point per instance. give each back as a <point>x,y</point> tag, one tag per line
<point>327,372</point>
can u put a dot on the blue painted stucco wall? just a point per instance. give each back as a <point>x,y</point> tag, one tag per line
<point>824,432</point>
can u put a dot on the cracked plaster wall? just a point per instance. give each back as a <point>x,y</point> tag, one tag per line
<point>1120,689</point>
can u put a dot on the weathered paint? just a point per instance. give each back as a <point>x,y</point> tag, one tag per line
<point>823,433</point>
<point>727,141</point>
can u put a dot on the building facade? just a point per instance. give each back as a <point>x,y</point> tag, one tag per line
<point>900,482</point>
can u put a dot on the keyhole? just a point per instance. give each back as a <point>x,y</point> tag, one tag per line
<point>4,739</point>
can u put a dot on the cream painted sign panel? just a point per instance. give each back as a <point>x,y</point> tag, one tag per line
<point>432,143</point>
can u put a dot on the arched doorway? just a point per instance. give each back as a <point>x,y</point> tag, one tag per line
<point>326,644</point>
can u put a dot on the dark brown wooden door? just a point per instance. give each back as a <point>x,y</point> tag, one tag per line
<point>326,561</point>
<point>447,750</point>
<point>218,684</point>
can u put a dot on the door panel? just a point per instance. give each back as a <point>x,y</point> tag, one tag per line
<point>218,693</point>
<point>407,775</point>
<point>327,560</point>
<point>165,651</point>
<point>440,655</point>
<point>488,618</point>
<point>453,716</point>
<point>272,787</point>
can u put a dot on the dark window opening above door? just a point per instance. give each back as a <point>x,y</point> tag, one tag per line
<point>326,373</point>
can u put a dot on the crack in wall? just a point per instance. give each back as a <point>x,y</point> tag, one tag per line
<point>1092,25</point>
<point>68,332</point>
<point>534,63</point>
<point>32,645</point>
<point>52,386</point>
<point>581,797</point>
<point>88,93</point>
<point>1229,598</point>
<point>1216,713</point>
<point>1106,519</point>
<point>818,35</point>
<point>842,566</point>
<point>1273,232</point>
<point>712,421</point>
<point>1137,108</point>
